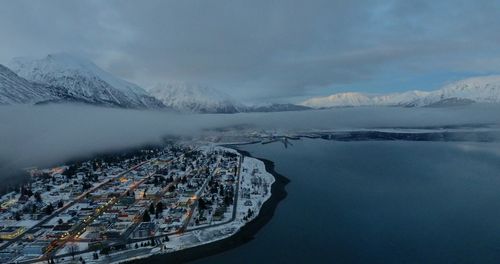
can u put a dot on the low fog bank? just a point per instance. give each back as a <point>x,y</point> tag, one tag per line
<point>43,135</point>
<point>371,117</point>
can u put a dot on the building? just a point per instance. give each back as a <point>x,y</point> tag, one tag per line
<point>36,248</point>
<point>144,230</point>
<point>62,227</point>
<point>127,200</point>
<point>11,232</point>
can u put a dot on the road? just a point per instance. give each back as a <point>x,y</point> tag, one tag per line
<point>128,254</point>
<point>126,234</point>
<point>68,205</point>
<point>78,230</point>
<point>195,199</point>
<point>235,204</point>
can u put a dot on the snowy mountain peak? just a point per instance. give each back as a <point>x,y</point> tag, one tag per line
<point>340,99</point>
<point>479,89</point>
<point>61,64</point>
<point>83,80</point>
<point>485,89</point>
<point>189,97</point>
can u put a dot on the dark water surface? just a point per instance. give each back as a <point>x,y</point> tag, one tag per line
<point>380,202</point>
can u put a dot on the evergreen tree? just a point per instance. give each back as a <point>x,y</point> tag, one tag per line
<point>38,197</point>
<point>146,217</point>
<point>159,207</point>
<point>202,204</point>
<point>17,216</point>
<point>105,251</point>
<point>49,209</point>
<point>152,208</point>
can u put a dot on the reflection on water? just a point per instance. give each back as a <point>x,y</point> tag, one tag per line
<point>380,202</point>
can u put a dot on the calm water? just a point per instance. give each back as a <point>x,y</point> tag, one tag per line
<point>380,202</point>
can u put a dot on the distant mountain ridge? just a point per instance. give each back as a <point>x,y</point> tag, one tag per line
<point>276,108</point>
<point>472,90</point>
<point>189,97</point>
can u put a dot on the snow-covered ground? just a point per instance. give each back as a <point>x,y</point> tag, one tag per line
<point>254,189</point>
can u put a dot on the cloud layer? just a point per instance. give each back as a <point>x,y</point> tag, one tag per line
<point>42,135</point>
<point>265,50</point>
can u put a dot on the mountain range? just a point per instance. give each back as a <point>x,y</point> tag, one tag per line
<point>66,78</point>
<point>189,97</point>
<point>485,89</point>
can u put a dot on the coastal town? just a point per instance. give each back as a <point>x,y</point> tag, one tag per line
<point>119,208</point>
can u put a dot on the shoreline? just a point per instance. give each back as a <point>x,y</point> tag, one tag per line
<point>244,235</point>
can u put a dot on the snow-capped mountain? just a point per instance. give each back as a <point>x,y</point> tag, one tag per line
<point>339,100</point>
<point>409,98</point>
<point>65,78</point>
<point>17,90</point>
<point>188,97</point>
<point>350,99</point>
<point>83,81</point>
<point>472,90</point>
<point>478,89</point>
<point>194,98</point>
<point>276,108</point>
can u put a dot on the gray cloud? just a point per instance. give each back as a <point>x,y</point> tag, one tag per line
<point>261,49</point>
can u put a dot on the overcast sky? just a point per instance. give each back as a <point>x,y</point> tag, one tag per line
<point>266,50</point>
